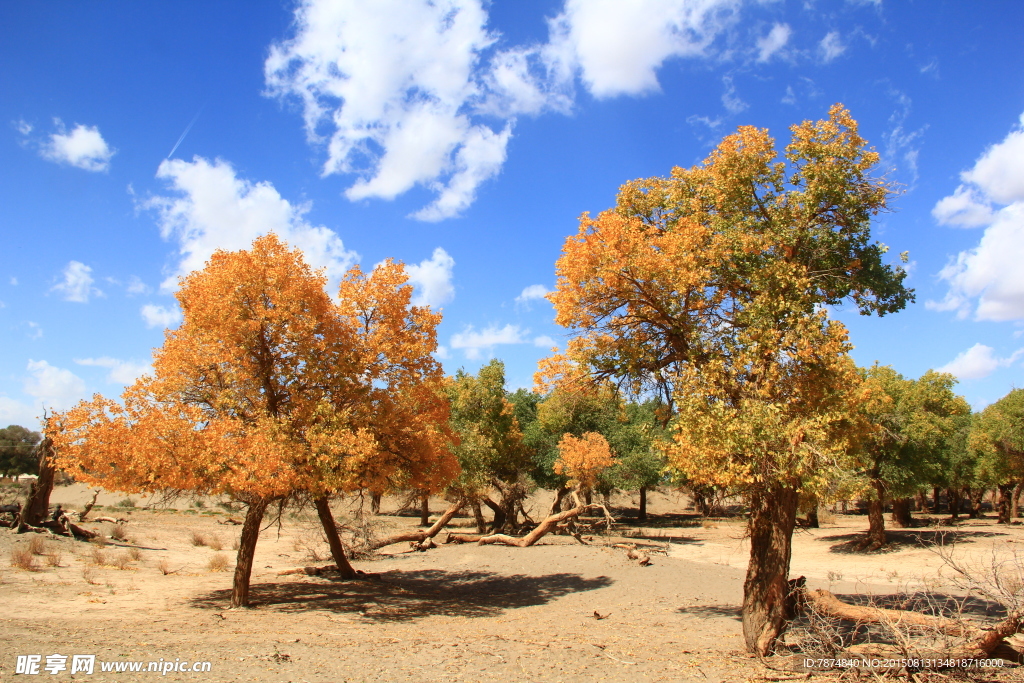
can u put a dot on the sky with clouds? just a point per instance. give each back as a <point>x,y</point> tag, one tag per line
<point>465,138</point>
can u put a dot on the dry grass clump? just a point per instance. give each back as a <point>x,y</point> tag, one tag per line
<point>53,558</point>
<point>135,554</point>
<point>119,532</point>
<point>198,539</point>
<point>164,566</point>
<point>122,561</point>
<point>99,540</point>
<point>37,545</point>
<point>218,563</point>
<point>89,574</point>
<point>98,557</point>
<point>23,558</point>
<point>214,542</point>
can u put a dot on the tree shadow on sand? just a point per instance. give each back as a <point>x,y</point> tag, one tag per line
<point>404,596</point>
<point>900,539</point>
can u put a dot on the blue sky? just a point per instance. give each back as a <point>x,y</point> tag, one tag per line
<point>465,138</point>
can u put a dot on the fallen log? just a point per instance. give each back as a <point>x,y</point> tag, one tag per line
<point>79,532</point>
<point>635,554</point>
<point>415,537</point>
<point>547,525</point>
<point>88,508</point>
<point>825,603</point>
<point>463,538</point>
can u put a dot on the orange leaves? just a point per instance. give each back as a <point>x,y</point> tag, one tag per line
<point>268,387</point>
<point>582,459</point>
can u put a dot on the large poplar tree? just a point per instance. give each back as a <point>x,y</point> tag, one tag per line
<point>707,288</point>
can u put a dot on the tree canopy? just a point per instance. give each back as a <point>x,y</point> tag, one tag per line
<point>17,450</point>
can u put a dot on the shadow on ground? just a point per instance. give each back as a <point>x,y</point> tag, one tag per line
<point>901,539</point>
<point>710,611</point>
<point>404,596</point>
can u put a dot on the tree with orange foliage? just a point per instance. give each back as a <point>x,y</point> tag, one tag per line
<point>583,459</point>
<point>707,289</point>
<point>268,389</point>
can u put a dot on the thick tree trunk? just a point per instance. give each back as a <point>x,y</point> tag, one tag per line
<point>766,589</point>
<point>936,500</point>
<point>1005,502</point>
<point>588,497</point>
<point>953,502</point>
<point>323,510</point>
<point>1015,504</point>
<point>876,516</point>
<point>247,551</point>
<point>901,516</point>
<point>499,515</point>
<point>37,505</point>
<point>375,503</point>
<point>424,509</point>
<point>642,516</point>
<point>556,506</point>
<point>975,496</point>
<point>478,516</point>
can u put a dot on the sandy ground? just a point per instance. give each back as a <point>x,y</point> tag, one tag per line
<point>455,613</point>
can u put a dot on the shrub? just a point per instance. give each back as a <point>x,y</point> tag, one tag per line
<point>214,542</point>
<point>53,559</point>
<point>197,538</point>
<point>164,566</point>
<point>122,561</point>
<point>135,554</point>
<point>98,558</point>
<point>126,503</point>
<point>23,558</point>
<point>218,563</point>
<point>119,533</point>
<point>37,546</point>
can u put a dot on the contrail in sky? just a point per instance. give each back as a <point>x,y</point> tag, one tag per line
<point>187,129</point>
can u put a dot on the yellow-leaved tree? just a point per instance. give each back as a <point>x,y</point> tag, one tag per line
<point>269,389</point>
<point>707,289</point>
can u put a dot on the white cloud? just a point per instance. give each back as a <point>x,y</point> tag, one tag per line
<point>23,126</point>
<point>618,46</point>
<point>532,292</point>
<point>34,330</point>
<point>406,93</point>
<point>121,371</point>
<point>136,286</point>
<point>977,362</point>
<point>54,388</point>
<point>14,412</point>
<point>544,342</point>
<point>770,44</point>
<point>214,209</point>
<point>77,284</point>
<point>790,96</point>
<point>990,272</point>
<point>831,46</point>
<point>159,316</point>
<point>83,147</point>
<point>965,208</point>
<point>730,100</point>
<point>473,342</point>
<point>441,352</point>
<point>902,147</point>
<point>433,279</point>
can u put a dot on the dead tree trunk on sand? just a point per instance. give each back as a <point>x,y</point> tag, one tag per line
<point>37,505</point>
<point>323,510</point>
<point>418,536</point>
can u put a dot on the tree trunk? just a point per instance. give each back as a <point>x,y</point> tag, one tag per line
<point>499,514</point>
<point>901,516</point>
<point>812,517</point>
<point>766,589</point>
<point>478,515</point>
<point>425,509</point>
<point>556,506</point>
<point>1005,502</point>
<point>976,495</point>
<point>588,497</point>
<point>1015,504</point>
<point>247,551</point>
<point>953,502</point>
<point>936,500</point>
<point>323,510</point>
<point>546,526</point>
<point>642,516</point>
<point>876,516</point>
<point>37,505</point>
<point>375,503</point>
